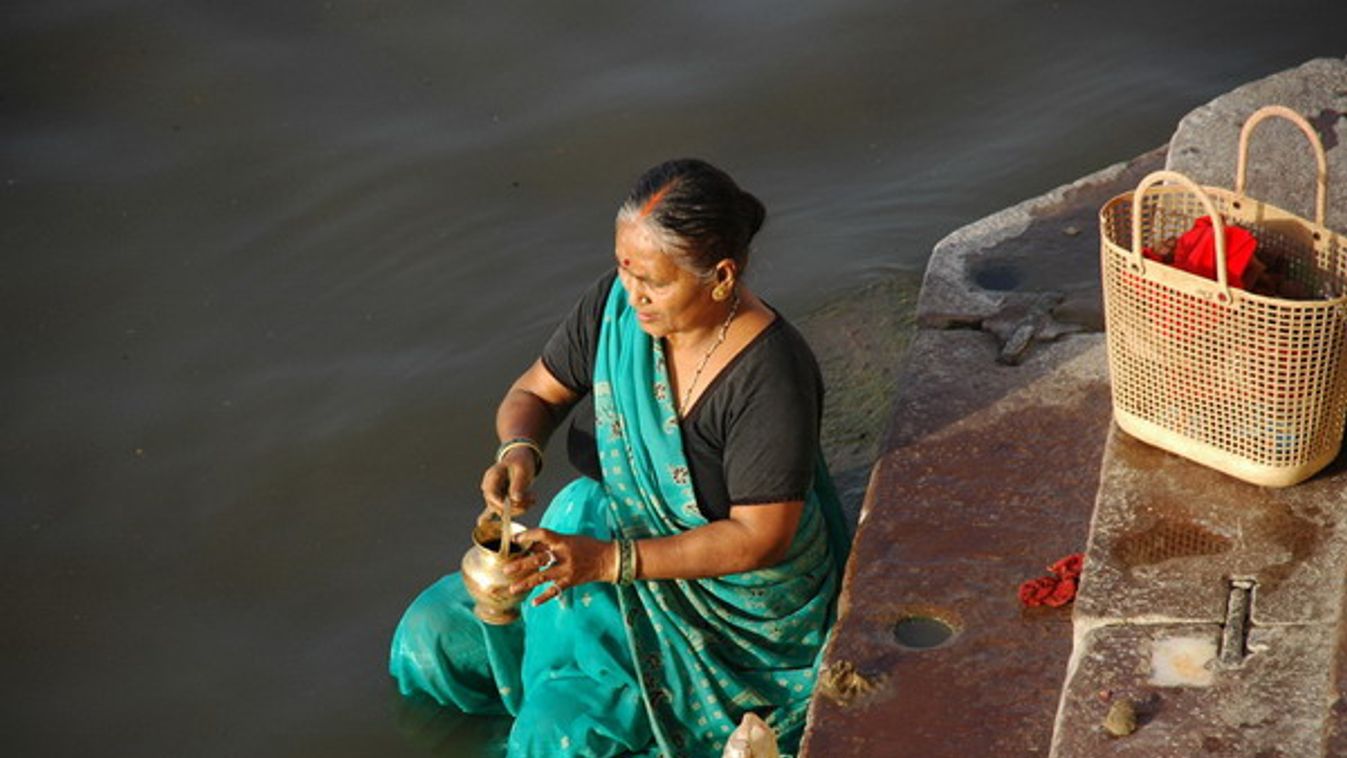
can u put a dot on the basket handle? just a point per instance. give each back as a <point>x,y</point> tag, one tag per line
<point>1321,182</point>
<point>1217,223</point>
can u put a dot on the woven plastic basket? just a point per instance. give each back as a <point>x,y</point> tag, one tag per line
<point>1250,385</point>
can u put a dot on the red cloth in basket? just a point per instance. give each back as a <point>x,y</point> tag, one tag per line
<point>1195,252</point>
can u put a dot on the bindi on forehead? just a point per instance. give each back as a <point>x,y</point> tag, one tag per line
<point>644,269</point>
<point>637,252</point>
<point>630,267</point>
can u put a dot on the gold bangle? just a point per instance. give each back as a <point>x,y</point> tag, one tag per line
<point>617,561</point>
<point>511,444</point>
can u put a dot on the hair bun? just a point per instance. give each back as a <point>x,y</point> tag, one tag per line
<point>707,215</point>
<point>755,213</point>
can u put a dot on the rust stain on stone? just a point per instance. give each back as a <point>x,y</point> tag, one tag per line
<point>1138,455</point>
<point>1298,536</point>
<point>1167,539</point>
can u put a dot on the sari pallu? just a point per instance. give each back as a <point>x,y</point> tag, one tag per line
<point>660,667</point>
<point>706,650</point>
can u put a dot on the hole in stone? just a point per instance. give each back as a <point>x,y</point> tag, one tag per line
<point>997,276</point>
<point>923,631</point>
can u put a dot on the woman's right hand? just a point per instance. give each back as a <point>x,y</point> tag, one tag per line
<point>511,477</point>
<point>527,414</point>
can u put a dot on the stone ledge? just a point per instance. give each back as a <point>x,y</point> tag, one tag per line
<point>987,473</point>
<point>1145,664</point>
<point>1049,243</point>
<point>1166,540</point>
<point>988,478</point>
<point>1281,165</point>
<point>1169,537</point>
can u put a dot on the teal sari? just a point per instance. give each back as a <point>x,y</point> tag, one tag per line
<point>660,667</point>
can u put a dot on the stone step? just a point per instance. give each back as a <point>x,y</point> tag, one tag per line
<point>988,473</point>
<point>1212,607</point>
<point>1167,540</point>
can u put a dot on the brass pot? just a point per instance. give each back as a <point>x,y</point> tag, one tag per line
<point>484,575</point>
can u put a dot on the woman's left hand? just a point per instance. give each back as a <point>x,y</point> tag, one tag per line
<point>565,560</point>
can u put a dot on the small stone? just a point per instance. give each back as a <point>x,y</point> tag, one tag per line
<point>1071,231</point>
<point>1121,719</point>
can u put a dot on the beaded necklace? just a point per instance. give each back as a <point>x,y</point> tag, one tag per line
<point>720,338</point>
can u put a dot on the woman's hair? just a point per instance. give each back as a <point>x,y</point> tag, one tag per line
<point>699,212</point>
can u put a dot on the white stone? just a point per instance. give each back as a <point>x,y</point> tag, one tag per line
<point>1182,662</point>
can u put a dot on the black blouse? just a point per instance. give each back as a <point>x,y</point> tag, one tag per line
<point>752,436</point>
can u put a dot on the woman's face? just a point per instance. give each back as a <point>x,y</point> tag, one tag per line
<point>668,298</point>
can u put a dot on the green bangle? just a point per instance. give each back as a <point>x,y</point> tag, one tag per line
<point>515,442</point>
<point>626,569</point>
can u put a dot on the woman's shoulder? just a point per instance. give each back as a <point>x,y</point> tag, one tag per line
<point>588,311</point>
<point>767,412</point>
<point>781,345</point>
<point>778,359</point>
<point>593,300</point>
<point>569,353</point>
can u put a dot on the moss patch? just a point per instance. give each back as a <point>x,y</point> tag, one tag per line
<point>860,337</point>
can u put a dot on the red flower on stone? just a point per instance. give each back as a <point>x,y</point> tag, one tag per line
<point>1035,591</point>
<point>1069,566</point>
<point>1063,593</point>
<point>1057,590</point>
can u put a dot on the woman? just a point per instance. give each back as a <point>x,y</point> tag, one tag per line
<point>690,575</point>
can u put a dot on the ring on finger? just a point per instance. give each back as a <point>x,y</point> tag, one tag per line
<point>550,561</point>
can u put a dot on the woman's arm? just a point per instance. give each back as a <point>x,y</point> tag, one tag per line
<point>753,537</point>
<point>531,409</point>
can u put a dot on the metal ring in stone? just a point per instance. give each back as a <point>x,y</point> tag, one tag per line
<point>549,563</point>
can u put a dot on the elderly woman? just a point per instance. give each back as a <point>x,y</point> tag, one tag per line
<point>690,575</point>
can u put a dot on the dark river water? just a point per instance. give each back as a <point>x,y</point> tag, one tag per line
<point>269,266</point>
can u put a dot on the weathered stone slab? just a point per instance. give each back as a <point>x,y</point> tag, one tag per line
<point>987,476</point>
<point>981,481</point>
<point>1049,243</point>
<point>1271,706</point>
<point>1337,723</point>
<point>1168,536</point>
<point>1281,165</point>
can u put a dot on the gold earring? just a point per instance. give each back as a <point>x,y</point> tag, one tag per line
<point>720,293</point>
